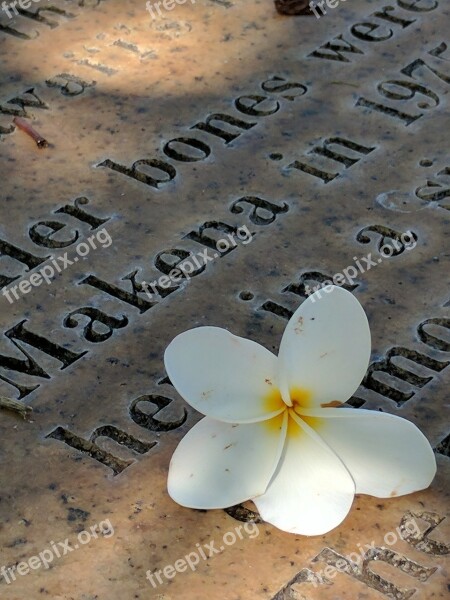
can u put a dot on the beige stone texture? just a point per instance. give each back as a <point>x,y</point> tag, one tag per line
<point>146,82</point>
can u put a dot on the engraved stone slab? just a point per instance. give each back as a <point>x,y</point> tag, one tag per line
<point>307,147</point>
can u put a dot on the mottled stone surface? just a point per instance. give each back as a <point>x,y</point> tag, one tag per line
<point>136,84</point>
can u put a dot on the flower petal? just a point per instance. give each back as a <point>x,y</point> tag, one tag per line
<point>311,491</point>
<point>224,376</point>
<point>218,464</point>
<point>386,455</point>
<point>325,349</point>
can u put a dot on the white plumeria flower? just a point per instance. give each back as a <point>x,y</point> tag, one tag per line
<point>273,433</point>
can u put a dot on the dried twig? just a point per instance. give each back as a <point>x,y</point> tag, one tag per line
<point>15,406</point>
<point>26,127</point>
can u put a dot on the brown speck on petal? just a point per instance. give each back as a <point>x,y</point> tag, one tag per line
<point>332,404</point>
<point>299,329</point>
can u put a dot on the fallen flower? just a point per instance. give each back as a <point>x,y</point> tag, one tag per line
<point>273,433</point>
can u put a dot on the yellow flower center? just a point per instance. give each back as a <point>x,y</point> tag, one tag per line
<point>301,399</point>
